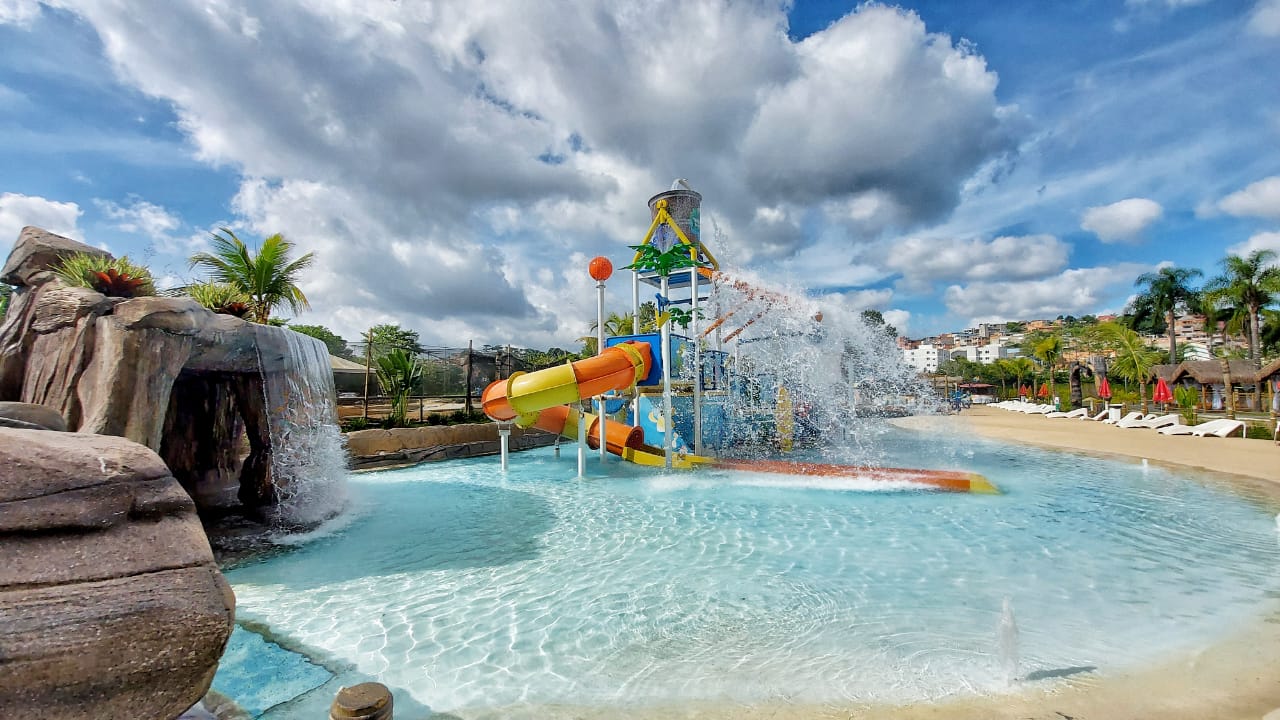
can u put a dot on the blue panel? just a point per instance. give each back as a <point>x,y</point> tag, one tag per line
<point>654,378</point>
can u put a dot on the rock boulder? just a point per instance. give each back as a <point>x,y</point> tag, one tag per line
<point>111,604</point>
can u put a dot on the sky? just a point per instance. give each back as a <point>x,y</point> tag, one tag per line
<point>455,165</point>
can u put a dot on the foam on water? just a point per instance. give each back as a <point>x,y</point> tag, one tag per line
<point>473,589</point>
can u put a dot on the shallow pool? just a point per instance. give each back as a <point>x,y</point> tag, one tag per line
<point>465,589</point>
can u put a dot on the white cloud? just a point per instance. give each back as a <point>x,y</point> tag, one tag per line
<point>1121,221</point>
<point>1259,199</point>
<point>18,211</point>
<point>1265,18</point>
<point>140,216</point>
<point>1077,291</point>
<point>859,300</point>
<point>923,261</point>
<point>900,319</point>
<point>19,12</point>
<point>449,161</point>
<point>1261,241</point>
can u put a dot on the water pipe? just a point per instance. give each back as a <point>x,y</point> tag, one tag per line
<point>600,278</point>
<point>697,364</point>
<point>504,436</point>
<point>582,443</point>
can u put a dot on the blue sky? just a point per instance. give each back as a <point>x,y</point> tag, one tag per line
<point>454,166</point>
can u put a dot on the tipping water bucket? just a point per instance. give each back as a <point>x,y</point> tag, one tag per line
<point>684,208</point>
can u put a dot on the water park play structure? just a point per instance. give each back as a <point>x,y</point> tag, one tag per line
<point>674,401</point>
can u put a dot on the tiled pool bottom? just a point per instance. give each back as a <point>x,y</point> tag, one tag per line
<point>464,589</point>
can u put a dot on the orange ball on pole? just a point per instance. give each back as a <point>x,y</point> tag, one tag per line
<point>600,268</point>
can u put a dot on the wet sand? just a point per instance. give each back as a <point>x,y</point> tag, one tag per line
<point>1237,678</point>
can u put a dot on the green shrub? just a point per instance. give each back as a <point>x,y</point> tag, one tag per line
<point>354,423</point>
<point>221,298</point>
<point>1258,432</point>
<point>113,277</point>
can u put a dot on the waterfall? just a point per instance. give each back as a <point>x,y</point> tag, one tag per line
<point>308,456</point>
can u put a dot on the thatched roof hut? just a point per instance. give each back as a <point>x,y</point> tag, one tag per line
<point>1165,372</point>
<point>1209,372</point>
<point>1270,372</point>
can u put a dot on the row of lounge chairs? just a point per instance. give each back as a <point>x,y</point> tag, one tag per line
<point>1167,424</point>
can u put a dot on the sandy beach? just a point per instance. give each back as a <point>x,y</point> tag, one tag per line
<point>1235,456</point>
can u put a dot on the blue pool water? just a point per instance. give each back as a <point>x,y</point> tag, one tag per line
<point>465,589</point>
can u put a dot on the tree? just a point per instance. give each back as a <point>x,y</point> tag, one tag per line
<point>1164,291</point>
<point>1251,283</point>
<point>336,345</point>
<point>268,276</point>
<point>875,319</point>
<point>1049,351</point>
<point>6,291</point>
<point>388,336</point>
<point>399,374</point>
<point>1021,367</point>
<point>1133,358</point>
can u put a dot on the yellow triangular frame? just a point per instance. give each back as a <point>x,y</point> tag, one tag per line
<point>663,216</point>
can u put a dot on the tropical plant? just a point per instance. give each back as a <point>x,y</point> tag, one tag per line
<point>1186,398</point>
<point>1021,367</point>
<point>663,262</point>
<point>1133,358</point>
<point>113,277</point>
<point>1049,351</point>
<point>398,374</point>
<point>268,277</point>
<point>1251,283</point>
<point>1164,292</point>
<point>220,297</point>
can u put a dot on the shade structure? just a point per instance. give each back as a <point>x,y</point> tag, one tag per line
<point>1104,388</point>
<point>1162,394</point>
<point>1044,391</point>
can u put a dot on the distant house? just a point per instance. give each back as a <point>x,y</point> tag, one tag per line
<point>348,377</point>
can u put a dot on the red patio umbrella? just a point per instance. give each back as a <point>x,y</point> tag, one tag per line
<point>1104,388</point>
<point>1044,390</point>
<point>1022,391</point>
<point>1162,394</point>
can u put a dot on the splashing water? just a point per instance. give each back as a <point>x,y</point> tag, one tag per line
<point>839,370</point>
<point>1007,639</point>
<point>309,460</point>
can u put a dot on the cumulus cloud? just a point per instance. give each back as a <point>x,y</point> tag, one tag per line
<point>17,211</point>
<point>923,261</point>
<point>1265,18</point>
<point>140,216</point>
<point>1259,199</point>
<point>1261,241</point>
<point>1077,291</point>
<point>1121,221</point>
<point>19,12</point>
<point>446,161</point>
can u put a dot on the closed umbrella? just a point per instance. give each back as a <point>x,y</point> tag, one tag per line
<point>1044,391</point>
<point>1023,391</point>
<point>1162,394</point>
<point>1104,388</point>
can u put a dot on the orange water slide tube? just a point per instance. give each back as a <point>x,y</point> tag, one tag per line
<point>523,396</point>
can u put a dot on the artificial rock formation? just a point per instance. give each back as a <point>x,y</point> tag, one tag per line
<point>111,604</point>
<point>161,371</point>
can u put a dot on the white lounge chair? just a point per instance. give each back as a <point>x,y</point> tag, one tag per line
<point>1100,416</point>
<point>1127,418</point>
<point>1155,422</point>
<point>1213,427</point>
<point>1078,412</point>
<point>1225,428</point>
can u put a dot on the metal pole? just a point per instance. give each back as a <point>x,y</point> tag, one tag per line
<point>666,385</point>
<point>635,330</point>
<point>604,454</point>
<point>582,443</point>
<point>697,365</point>
<point>504,437</point>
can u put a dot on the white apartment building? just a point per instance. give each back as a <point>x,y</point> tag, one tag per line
<point>985,354</point>
<point>925,358</point>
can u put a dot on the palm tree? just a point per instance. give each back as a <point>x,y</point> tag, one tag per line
<point>1166,290</point>
<point>1021,367</point>
<point>399,373</point>
<point>1251,283</point>
<point>1133,358</point>
<point>1049,351</point>
<point>268,277</point>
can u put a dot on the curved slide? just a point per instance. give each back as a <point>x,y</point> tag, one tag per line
<point>541,399</point>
